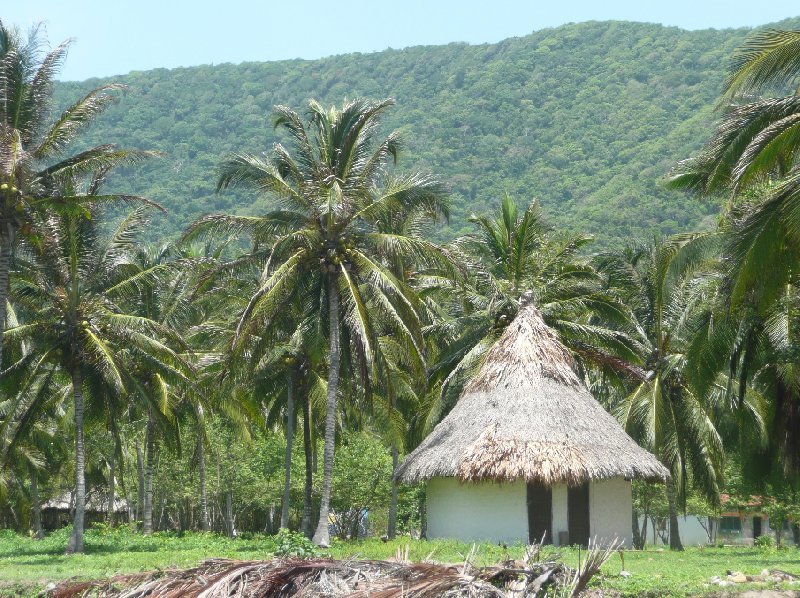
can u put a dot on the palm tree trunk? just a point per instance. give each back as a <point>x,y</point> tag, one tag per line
<point>76,539</point>
<point>111,482</point>
<point>674,534</point>
<point>201,458</point>
<point>287,478</point>
<point>147,519</point>
<point>36,507</point>
<point>140,476</point>
<point>391,531</point>
<point>308,449</point>
<point>321,536</point>
<point>229,527</point>
<point>637,536</point>
<point>6,244</point>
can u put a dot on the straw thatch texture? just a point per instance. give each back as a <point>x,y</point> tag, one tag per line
<point>527,415</point>
<point>222,578</point>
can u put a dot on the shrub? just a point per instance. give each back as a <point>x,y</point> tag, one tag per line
<point>764,542</point>
<point>288,543</point>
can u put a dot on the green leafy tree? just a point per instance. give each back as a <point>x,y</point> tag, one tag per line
<point>34,152</point>
<point>508,254</point>
<point>333,188</point>
<point>663,284</point>
<point>70,320</point>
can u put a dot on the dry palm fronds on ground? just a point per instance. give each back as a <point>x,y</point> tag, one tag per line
<point>222,578</point>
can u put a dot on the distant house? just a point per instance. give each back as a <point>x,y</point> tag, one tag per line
<point>737,523</point>
<point>58,512</point>
<point>527,453</point>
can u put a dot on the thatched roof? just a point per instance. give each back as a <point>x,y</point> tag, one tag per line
<point>95,503</point>
<point>527,415</point>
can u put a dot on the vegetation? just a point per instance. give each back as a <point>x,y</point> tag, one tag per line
<point>585,117</point>
<point>326,317</point>
<point>27,565</point>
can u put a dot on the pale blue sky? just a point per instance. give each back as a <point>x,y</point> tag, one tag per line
<point>116,36</point>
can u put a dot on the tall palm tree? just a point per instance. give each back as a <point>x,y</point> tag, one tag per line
<point>332,189</point>
<point>752,157</point>
<point>157,284</point>
<point>507,255</point>
<point>661,283</point>
<point>34,159</point>
<point>286,376</point>
<point>71,322</point>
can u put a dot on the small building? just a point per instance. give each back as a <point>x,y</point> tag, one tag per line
<point>527,453</point>
<point>59,512</point>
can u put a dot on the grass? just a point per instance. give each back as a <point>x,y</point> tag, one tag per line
<point>26,566</point>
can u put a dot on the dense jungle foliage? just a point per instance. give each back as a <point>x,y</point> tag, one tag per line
<point>586,117</point>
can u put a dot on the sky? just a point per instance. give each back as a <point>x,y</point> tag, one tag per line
<point>113,37</point>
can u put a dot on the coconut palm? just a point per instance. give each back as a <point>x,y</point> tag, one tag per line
<point>286,375</point>
<point>34,158</point>
<point>663,284</point>
<point>72,323</point>
<point>332,189</point>
<point>509,254</point>
<point>751,157</point>
<point>157,283</point>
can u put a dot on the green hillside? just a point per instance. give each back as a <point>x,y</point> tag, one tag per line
<point>586,117</point>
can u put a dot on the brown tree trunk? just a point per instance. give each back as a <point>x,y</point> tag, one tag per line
<point>6,248</point>
<point>140,485</point>
<point>76,539</point>
<point>201,458</point>
<point>674,533</point>
<point>287,477</point>
<point>321,535</point>
<point>391,531</point>
<point>308,449</point>
<point>230,530</point>
<point>36,507</point>
<point>111,481</point>
<point>147,519</point>
<point>637,536</point>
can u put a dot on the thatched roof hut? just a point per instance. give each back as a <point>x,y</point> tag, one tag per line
<point>527,417</point>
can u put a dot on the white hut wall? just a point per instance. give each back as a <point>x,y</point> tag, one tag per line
<point>477,512</point>
<point>610,508</point>
<point>560,513</point>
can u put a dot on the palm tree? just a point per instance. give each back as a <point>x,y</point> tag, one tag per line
<point>751,156</point>
<point>332,190</point>
<point>157,284</point>
<point>33,151</point>
<point>507,255</point>
<point>71,322</point>
<point>663,284</point>
<point>286,376</point>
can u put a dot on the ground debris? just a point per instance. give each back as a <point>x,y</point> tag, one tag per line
<point>329,578</point>
<point>736,577</point>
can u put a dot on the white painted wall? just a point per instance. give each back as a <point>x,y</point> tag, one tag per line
<point>611,511</point>
<point>560,515</point>
<point>474,512</point>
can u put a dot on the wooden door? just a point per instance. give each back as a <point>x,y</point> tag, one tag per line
<point>756,527</point>
<point>578,514</point>
<point>540,513</point>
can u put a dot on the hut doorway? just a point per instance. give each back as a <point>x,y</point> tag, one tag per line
<point>578,514</point>
<point>540,513</point>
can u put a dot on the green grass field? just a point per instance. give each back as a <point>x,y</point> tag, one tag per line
<point>26,566</point>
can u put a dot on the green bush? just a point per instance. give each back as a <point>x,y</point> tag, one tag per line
<point>764,542</point>
<point>288,543</point>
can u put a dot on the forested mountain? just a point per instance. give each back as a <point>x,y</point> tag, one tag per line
<point>586,117</point>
